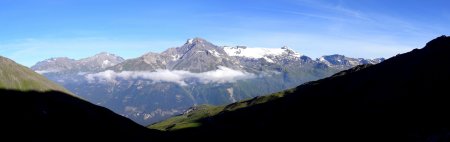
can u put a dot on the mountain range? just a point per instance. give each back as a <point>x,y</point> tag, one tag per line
<point>156,86</point>
<point>404,98</point>
<point>401,99</point>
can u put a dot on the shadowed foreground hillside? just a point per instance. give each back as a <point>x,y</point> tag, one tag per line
<point>55,116</point>
<point>405,98</point>
<point>35,109</point>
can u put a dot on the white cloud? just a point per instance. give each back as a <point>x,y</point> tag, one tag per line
<point>221,75</point>
<point>46,71</point>
<point>82,73</point>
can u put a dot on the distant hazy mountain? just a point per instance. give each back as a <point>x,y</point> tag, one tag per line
<point>340,61</point>
<point>270,55</point>
<point>159,85</point>
<point>95,63</point>
<point>17,77</point>
<point>401,99</point>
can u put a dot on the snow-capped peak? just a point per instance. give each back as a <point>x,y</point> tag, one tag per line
<point>243,51</point>
<point>342,61</point>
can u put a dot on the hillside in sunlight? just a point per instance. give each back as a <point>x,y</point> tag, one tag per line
<point>17,77</point>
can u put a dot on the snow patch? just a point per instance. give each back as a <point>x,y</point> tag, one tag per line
<point>354,63</point>
<point>322,59</point>
<point>176,57</point>
<point>214,53</point>
<point>190,41</point>
<point>259,52</point>
<point>268,60</point>
<point>106,63</point>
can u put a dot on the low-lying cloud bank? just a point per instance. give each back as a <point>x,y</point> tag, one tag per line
<point>221,75</point>
<point>46,71</point>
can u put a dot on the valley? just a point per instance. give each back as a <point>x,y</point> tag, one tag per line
<point>156,86</point>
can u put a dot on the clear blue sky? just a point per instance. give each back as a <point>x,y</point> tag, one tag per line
<point>33,30</point>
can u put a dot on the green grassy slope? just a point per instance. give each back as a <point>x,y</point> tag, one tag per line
<point>17,77</point>
<point>191,119</point>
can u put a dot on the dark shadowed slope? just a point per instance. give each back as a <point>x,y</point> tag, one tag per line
<point>35,109</point>
<point>55,116</point>
<point>405,98</point>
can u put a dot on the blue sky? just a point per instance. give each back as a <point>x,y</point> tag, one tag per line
<point>33,30</point>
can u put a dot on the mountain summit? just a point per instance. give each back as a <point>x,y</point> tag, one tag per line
<point>200,56</point>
